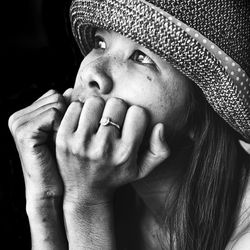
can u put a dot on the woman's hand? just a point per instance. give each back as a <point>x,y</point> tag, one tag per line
<point>33,129</point>
<point>94,159</point>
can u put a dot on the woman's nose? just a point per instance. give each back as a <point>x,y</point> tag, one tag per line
<point>96,78</point>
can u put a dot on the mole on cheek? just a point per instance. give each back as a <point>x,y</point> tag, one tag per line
<point>149,78</point>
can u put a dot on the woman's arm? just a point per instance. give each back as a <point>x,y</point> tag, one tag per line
<point>46,224</point>
<point>94,160</point>
<point>32,129</point>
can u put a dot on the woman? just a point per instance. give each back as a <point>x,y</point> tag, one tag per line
<point>160,101</point>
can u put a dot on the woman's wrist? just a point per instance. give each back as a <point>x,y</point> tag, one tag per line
<point>37,201</point>
<point>85,198</point>
<point>42,207</point>
<point>46,223</point>
<point>90,226</point>
<point>86,207</point>
<point>87,211</point>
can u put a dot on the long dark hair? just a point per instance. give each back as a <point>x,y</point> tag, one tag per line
<point>208,201</point>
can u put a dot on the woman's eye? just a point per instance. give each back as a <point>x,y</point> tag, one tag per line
<point>99,43</point>
<point>142,58</point>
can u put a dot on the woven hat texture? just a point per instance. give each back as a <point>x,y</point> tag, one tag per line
<point>207,40</point>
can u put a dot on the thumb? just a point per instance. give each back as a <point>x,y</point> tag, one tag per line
<point>157,152</point>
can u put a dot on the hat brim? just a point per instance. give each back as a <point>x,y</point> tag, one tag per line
<point>141,22</point>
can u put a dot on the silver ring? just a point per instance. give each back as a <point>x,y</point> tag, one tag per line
<point>106,121</point>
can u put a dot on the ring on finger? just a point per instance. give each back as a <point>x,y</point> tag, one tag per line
<point>106,121</point>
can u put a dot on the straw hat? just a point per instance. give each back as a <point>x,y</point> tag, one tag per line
<point>207,40</point>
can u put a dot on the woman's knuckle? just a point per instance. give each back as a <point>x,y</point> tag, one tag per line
<point>13,127</point>
<point>11,122</point>
<point>99,153</point>
<point>123,153</point>
<point>12,119</point>
<point>96,154</point>
<point>76,149</point>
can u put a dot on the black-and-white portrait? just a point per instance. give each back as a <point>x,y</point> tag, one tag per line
<point>125,125</point>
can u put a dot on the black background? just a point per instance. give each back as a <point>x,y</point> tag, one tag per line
<point>37,53</point>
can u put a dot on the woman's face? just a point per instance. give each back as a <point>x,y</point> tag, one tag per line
<point>119,67</point>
